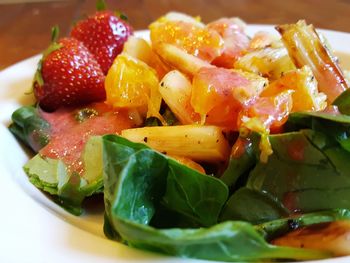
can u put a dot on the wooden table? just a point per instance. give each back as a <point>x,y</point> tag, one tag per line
<point>25,27</point>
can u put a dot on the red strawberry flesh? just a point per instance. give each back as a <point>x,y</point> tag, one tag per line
<point>71,77</point>
<point>104,35</point>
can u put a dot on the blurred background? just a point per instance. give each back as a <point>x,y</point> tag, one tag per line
<point>25,25</point>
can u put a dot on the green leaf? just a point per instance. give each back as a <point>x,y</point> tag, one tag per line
<point>69,189</point>
<point>30,127</point>
<point>305,173</point>
<point>229,241</point>
<point>305,118</point>
<point>55,32</point>
<point>343,102</point>
<point>276,228</point>
<point>138,181</point>
<point>336,126</point>
<point>252,206</point>
<point>45,173</point>
<point>194,195</point>
<point>185,190</point>
<point>241,165</point>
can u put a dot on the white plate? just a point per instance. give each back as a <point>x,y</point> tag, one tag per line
<point>32,227</point>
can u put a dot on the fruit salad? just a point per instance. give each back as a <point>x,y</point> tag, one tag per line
<point>205,142</point>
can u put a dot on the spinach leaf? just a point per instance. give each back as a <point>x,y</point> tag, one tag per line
<point>336,126</point>
<point>69,189</point>
<point>305,173</point>
<point>343,102</point>
<point>276,228</point>
<point>138,181</point>
<point>240,165</point>
<point>306,118</point>
<point>30,128</point>
<point>252,206</point>
<point>182,189</point>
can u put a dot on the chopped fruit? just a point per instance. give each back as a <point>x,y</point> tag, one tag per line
<point>305,96</point>
<point>140,49</point>
<point>235,40</point>
<point>330,236</point>
<point>69,133</point>
<point>69,76</point>
<point>179,59</point>
<point>219,94</point>
<point>190,37</point>
<point>199,143</point>
<point>267,113</point>
<point>104,35</point>
<point>176,89</point>
<point>131,83</point>
<point>306,48</point>
<point>268,62</point>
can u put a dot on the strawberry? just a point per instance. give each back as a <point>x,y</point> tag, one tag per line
<point>104,35</point>
<point>68,74</point>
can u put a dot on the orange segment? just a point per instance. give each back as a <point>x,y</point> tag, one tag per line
<point>131,83</point>
<point>219,94</point>
<point>196,40</point>
<point>305,96</point>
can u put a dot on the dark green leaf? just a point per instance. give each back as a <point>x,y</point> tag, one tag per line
<point>343,102</point>
<point>305,173</point>
<point>273,229</point>
<point>238,166</point>
<point>252,206</point>
<point>30,127</point>
<point>336,126</point>
<point>135,178</point>
<point>197,196</point>
<point>305,118</point>
<point>230,241</point>
<point>185,191</point>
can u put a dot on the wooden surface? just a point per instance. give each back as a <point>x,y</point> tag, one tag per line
<point>25,28</point>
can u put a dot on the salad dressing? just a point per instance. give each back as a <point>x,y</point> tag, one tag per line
<point>69,136</point>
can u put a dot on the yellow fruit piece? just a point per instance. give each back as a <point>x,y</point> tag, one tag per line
<point>268,62</point>
<point>131,83</point>
<point>305,96</point>
<point>196,142</point>
<point>140,49</point>
<point>195,40</point>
